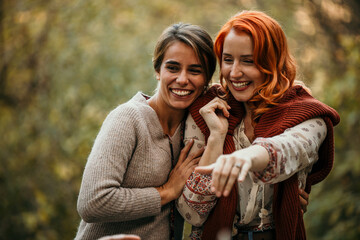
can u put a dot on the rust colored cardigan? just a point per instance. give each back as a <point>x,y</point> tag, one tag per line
<point>295,107</point>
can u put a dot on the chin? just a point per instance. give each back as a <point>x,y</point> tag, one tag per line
<point>181,106</point>
<point>242,98</point>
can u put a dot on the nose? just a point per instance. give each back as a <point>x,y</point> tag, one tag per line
<point>182,79</point>
<point>236,70</point>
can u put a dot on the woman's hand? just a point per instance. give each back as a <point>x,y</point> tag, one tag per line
<point>215,114</point>
<point>225,171</point>
<point>235,166</point>
<point>186,164</point>
<point>304,200</point>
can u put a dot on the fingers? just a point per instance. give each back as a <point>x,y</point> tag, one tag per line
<point>191,164</point>
<point>304,200</point>
<point>244,170</point>
<point>191,167</point>
<point>223,175</point>
<point>193,158</point>
<point>187,164</point>
<point>225,171</point>
<point>216,175</point>
<point>198,153</point>
<point>233,169</point>
<point>228,169</point>
<point>205,169</point>
<point>234,173</point>
<point>303,205</point>
<point>195,161</point>
<point>215,104</point>
<point>185,151</point>
<point>223,106</point>
<point>304,195</point>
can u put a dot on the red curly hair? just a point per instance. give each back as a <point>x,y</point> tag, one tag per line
<point>271,56</point>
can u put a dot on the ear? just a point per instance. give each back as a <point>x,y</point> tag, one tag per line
<point>157,76</point>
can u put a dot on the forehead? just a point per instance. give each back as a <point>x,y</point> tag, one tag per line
<point>239,42</point>
<point>180,51</point>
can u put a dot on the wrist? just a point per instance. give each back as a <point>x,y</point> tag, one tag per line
<point>165,194</point>
<point>213,149</point>
<point>216,138</point>
<point>259,157</point>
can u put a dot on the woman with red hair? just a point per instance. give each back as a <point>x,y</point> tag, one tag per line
<point>266,137</point>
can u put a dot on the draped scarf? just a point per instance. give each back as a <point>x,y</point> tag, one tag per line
<point>295,107</point>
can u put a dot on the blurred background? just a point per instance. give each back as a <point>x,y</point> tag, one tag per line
<point>66,63</point>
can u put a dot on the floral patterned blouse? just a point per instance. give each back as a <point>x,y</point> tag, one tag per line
<point>292,152</point>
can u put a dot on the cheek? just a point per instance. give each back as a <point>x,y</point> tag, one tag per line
<point>260,78</point>
<point>164,77</point>
<point>225,71</point>
<point>200,82</point>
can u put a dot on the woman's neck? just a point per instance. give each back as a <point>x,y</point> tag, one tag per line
<point>169,118</point>
<point>249,128</point>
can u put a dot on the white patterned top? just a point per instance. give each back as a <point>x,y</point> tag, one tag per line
<point>294,151</point>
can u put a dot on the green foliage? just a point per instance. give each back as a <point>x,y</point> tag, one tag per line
<point>65,64</point>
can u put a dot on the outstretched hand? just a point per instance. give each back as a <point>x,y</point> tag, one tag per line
<point>225,172</point>
<point>235,166</point>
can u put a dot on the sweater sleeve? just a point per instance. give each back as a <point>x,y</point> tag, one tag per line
<point>294,150</point>
<point>102,197</point>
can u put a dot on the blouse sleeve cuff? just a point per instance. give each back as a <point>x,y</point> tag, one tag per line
<point>269,172</point>
<point>199,184</point>
<point>197,197</point>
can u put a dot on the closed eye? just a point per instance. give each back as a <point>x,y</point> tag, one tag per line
<point>248,61</point>
<point>195,71</point>
<point>228,60</point>
<point>172,68</point>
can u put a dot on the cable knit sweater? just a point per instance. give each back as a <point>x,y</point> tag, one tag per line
<point>130,156</point>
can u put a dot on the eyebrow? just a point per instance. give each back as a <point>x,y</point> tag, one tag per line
<point>246,55</point>
<point>176,63</point>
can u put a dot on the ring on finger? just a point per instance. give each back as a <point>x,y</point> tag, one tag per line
<point>238,165</point>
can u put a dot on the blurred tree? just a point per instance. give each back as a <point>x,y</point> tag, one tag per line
<point>334,212</point>
<point>65,64</point>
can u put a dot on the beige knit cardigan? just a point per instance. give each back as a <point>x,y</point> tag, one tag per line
<point>130,156</point>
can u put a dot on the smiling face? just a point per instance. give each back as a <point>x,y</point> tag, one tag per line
<point>238,67</point>
<point>181,77</point>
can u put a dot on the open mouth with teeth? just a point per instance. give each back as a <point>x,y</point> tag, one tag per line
<point>240,84</point>
<point>181,92</point>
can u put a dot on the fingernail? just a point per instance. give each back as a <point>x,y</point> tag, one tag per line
<point>213,189</point>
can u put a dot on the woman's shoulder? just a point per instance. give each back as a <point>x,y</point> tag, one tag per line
<point>132,109</point>
<point>298,102</point>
